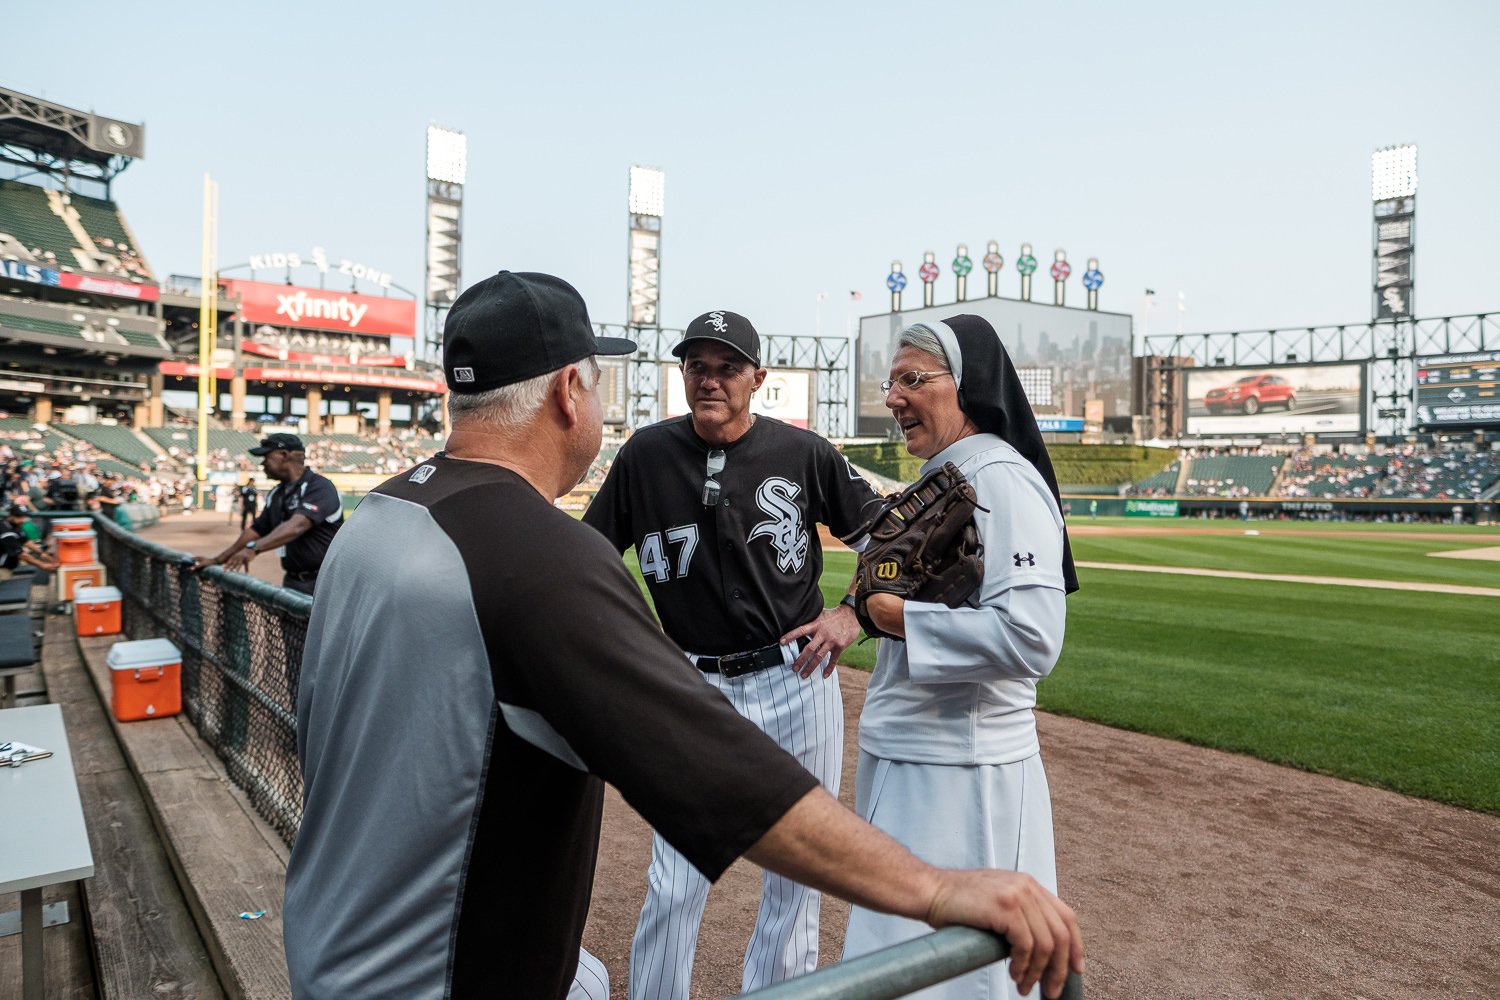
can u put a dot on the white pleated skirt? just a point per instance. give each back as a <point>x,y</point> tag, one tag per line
<point>955,816</point>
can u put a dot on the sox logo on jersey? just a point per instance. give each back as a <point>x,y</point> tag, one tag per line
<point>784,528</point>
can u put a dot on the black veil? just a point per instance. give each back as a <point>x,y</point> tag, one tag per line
<point>990,394</point>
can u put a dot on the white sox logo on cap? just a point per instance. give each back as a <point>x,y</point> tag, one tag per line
<point>463,374</point>
<point>718,322</point>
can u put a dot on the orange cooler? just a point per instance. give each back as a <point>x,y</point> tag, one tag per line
<point>145,679</point>
<point>96,610</point>
<point>71,576</point>
<point>76,547</point>
<point>62,525</point>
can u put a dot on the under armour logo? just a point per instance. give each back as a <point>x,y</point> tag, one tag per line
<point>422,474</point>
<point>463,374</point>
<point>1027,560</point>
<point>717,321</point>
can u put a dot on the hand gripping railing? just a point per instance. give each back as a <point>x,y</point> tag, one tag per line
<point>904,968</point>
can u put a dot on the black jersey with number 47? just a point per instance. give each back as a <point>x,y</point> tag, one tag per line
<point>741,573</point>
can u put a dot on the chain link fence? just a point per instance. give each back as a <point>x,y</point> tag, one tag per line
<point>241,641</point>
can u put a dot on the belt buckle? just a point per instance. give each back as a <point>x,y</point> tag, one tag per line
<point>737,664</point>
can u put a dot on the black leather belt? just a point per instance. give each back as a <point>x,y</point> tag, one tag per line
<point>303,576</point>
<point>739,664</point>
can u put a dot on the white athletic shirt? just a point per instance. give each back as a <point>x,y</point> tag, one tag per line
<point>961,688</point>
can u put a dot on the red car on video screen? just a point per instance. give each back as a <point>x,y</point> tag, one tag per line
<point>1251,394</point>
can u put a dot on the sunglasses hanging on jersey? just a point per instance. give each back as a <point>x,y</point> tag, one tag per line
<point>711,485</point>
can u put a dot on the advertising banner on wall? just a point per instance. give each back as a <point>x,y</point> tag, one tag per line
<point>1458,390</point>
<point>786,395</point>
<point>39,275</point>
<point>312,375</point>
<point>321,309</point>
<point>1277,399</point>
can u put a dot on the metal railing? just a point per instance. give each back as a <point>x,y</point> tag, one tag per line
<point>904,968</point>
<point>241,642</point>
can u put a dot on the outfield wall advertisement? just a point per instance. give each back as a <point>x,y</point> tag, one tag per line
<point>1458,390</point>
<point>1276,399</point>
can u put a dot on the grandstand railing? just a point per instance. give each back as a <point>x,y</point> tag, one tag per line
<point>241,641</point>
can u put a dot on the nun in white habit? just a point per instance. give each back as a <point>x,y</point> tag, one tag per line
<point>949,763</point>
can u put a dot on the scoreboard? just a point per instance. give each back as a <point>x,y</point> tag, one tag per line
<point>1458,390</point>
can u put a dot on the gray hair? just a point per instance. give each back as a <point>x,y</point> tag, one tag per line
<point>925,340</point>
<point>513,406</point>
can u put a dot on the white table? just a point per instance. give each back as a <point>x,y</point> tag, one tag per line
<point>46,842</point>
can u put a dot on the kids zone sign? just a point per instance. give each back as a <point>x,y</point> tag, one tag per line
<point>321,309</point>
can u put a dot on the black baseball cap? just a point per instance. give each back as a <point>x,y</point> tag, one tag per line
<point>16,510</point>
<point>725,327</point>
<point>282,442</point>
<point>515,326</point>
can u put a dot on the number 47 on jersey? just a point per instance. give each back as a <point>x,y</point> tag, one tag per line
<point>652,552</point>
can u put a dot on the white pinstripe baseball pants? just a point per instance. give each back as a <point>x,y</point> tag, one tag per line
<point>806,719</point>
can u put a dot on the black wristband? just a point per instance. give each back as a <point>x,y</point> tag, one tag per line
<point>849,600</point>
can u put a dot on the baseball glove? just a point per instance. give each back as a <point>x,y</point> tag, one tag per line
<point>923,546</point>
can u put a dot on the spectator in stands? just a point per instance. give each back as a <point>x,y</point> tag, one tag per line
<point>303,514</point>
<point>14,548</point>
<point>63,491</point>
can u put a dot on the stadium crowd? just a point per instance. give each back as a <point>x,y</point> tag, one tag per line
<point>1408,472</point>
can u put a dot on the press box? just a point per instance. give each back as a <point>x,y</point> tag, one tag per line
<point>71,576</point>
<point>96,610</point>
<point>145,679</point>
<point>75,547</point>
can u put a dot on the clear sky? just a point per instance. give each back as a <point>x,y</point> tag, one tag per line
<point>1219,150</point>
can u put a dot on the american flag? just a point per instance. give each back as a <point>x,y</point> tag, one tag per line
<point>856,295</point>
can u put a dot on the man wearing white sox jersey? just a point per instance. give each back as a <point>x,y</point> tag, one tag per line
<point>722,507</point>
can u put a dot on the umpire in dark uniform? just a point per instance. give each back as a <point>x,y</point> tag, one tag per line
<point>302,513</point>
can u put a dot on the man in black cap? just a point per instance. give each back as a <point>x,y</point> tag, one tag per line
<point>454,720</point>
<point>722,506</point>
<point>303,513</point>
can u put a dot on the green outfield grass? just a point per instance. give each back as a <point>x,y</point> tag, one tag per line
<point>1390,688</point>
<point>1301,554</point>
<point>1398,689</point>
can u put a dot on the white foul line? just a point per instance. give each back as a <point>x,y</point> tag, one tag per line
<point>1337,581</point>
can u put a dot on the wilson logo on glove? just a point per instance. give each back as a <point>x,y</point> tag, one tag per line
<point>923,546</point>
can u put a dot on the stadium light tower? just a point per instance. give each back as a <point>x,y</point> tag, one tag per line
<point>1393,189</point>
<point>447,168</point>
<point>647,201</point>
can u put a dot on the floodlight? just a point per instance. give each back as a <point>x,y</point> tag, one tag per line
<point>1393,172</point>
<point>447,155</point>
<point>647,191</point>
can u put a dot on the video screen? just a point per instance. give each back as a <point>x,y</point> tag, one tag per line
<point>1458,390</point>
<point>1065,356</point>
